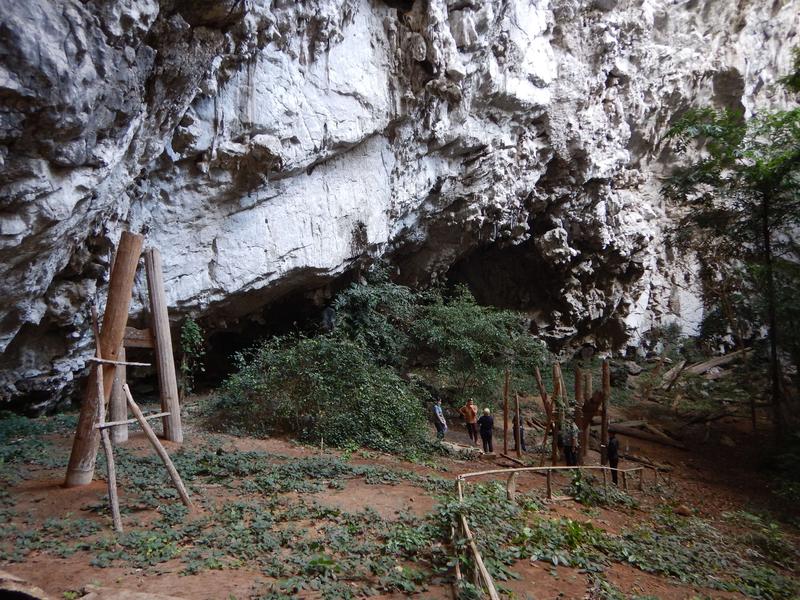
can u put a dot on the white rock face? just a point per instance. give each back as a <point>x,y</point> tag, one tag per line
<point>270,146</point>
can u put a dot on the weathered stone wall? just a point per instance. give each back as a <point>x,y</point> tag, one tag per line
<point>267,146</point>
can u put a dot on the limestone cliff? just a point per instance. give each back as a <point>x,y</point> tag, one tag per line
<point>269,146</point>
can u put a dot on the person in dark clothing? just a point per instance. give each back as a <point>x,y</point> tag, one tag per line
<point>519,434</point>
<point>486,425</point>
<point>613,455</point>
<point>570,442</point>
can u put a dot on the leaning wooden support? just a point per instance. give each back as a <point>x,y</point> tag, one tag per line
<point>162,453</point>
<point>484,572</point>
<point>549,484</point>
<point>118,406</point>
<point>167,381</point>
<point>80,470</point>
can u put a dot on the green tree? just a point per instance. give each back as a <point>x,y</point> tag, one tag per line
<point>742,198</point>
<point>474,344</point>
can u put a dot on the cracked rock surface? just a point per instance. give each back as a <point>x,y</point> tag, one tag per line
<point>267,147</point>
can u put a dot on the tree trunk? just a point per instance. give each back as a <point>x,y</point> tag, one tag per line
<point>774,366</point>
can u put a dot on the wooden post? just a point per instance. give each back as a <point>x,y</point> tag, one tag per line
<point>87,438</point>
<point>162,453</point>
<point>505,414</point>
<point>111,468</point>
<point>511,486</point>
<point>519,425</point>
<point>549,484</point>
<point>556,412</point>
<point>604,414</point>
<point>167,381</point>
<point>547,409</point>
<point>118,410</point>
<point>624,480</point>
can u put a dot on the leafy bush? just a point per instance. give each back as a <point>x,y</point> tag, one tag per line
<point>378,315</point>
<point>323,388</point>
<point>584,489</point>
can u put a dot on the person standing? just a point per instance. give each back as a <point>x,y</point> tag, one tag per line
<point>569,443</point>
<point>519,434</point>
<point>613,455</point>
<point>470,413</point>
<point>438,420</point>
<point>486,425</point>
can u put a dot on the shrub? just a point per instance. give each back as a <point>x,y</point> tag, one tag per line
<point>323,388</point>
<point>378,315</point>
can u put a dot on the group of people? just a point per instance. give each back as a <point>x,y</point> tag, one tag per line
<point>483,425</point>
<point>568,437</point>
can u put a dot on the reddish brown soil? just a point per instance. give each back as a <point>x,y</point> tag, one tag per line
<point>709,480</point>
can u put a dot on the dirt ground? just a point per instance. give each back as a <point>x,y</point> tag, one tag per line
<point>717,475</point>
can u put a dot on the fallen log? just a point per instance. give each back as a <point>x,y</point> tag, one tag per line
<point>710,418</point>
<point>671,376</point>
<point>702,367</point>
<point>656,431</point>
<point>645,435</point>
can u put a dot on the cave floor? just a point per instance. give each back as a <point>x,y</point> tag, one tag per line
<point>60,540</point>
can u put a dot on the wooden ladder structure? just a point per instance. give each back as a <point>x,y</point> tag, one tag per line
<point>111,341</point>
<point>102,426</point>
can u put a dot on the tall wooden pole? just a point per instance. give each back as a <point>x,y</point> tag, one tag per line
<point>111,468</point>
<point>87,438</point>
<point>519,425</point>
<point>604,424</point>
<point>167,381</point>
<point>556,412</point>
<point>505,414</point>
<point>118,410</point>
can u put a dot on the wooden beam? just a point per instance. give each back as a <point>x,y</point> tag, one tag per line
<point>80,470</point>
<point>167,381</point>
<point>118,363</point>
<point>162,453</point>
<point>512,459</point>
<point>129,421</point>
<point>118,406</point>
<point>138,338</point>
